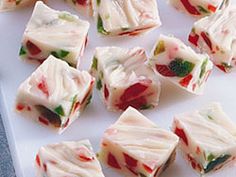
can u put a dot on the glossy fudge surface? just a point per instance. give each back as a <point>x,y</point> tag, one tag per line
<point>54,94</point>
<point>207,138</point>
<point>136,146</point>
<point>123,78</point>
<point>52,32</point>
<point>74,159</point>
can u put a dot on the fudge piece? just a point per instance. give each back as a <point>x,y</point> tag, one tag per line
<point>135,146</point>
<point>199,8</point>
<point>172,59</point>
<point>216,36</point>
<point>55,94</point>
<point>83,6</point>
<point>207,138</point>
<point>7,5</point>
<point>75,159</point>
<point>58,33</point>
<point>126,17</point>
<point>123,79</point>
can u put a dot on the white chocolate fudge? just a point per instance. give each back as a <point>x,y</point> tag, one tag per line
<point>199,8</point>
<point>57,33</point>
<point>8,5</point>
<point>55,94</point>
<point>72,159</point>
<point>172,59</point>
<point>126,17</point>
<point>207,138</point>
<point>135,146</point>
<point>216,36</point>
<point>82,6</point>
<point>123,79</point>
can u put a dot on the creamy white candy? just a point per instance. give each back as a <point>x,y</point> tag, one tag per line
<point>58,33</point>
<point>124,79</point>
<point>82,6</point>
<point>172,59</point>
<point>208,138</point>
<point>72,159</point>
<point>136,146</point>
<point>54,94</point>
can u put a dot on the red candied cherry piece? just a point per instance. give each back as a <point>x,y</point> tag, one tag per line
<point>190,8</point>
<point>185,81</point>
<point>106,92</point>
<point>37,159</point>
<point>130,161</point>
<point>113,162</point>
<point>193,38</point>
<point>43,120</point>
<point>180,133</point>
<point>147,168</point>
<point>67,122</point>
<point>211,8</point>
<point>82,2</point>
<point>43,87</point>
<point>85,159</point>
<point>33,49</point>
<point>20,107</point>
<point>136,103</point>
<point>164,70</point>
<point>221,67</point>
<point>45,167</point>
<point>206,39</point>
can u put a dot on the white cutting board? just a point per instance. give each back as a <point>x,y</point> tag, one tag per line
<point>25,136</point>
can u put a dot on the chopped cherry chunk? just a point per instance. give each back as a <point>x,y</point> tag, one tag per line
<point>190,8</point>
<point>43,87</point>
<point>147,168</point>
<point>130,161</point>
<point>181,134</point>
<point>20,107</point>
<point>32,48</point>
<point>82,2</point>
<point>113,162</point>
<point>211,8</point>
<point>106,92</point>
<point>193,38</point>
<point>137,103</point>
<point>164,70</point>
<point>185,81</point>
<point>206,39</point>
<point>37,159</point>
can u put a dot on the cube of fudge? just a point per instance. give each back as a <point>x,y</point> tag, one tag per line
<point>82,6</point>
<point>7,5</point>
<point>126,17</point>
<point>207,138</point>
<point>55,94</point>
<point>57,33</point>
<point>216,36</point>
<point>136,146</point>
<point>123,79</point>
<point>70,158</point>
<point>172,59</point>
<point>199,8</point>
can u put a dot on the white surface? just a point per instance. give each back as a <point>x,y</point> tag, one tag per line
<point>25,136</point>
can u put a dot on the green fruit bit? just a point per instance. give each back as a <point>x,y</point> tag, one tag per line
<point>159,48</point>
<point>148,106</point>
<point>124,28</point>
<point>60,54</point>
<point>99,84</point>
<point>74,99</point>
<point>181,67</point>
<point>226,65</point>
<point>89,100</point>
<point>98,2</point>
<point>215,162</point>
<point>59,110</point>
<point>210,117</point>
<point>210,157</point>
<point>95,63</point>
<point>67,17</point>
<point>141,175</point>
<point>100,27</point>
<point>22,51</point>
<point>18,2</point>
<point>202,9</point>
<point>203,67</point>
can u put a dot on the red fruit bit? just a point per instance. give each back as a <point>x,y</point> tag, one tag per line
<point>104,144</point>
<point>82,2</point>
<point>130,161</point>
<point>181,134</point>
<point>32,48</point>
<point>136,103</point>
<point>190,8</point>
<point>106,92</point>
<point>193,38</point>
<point>185,81</point>
<point>132,170</point>
<point>43,120</point>
<point>45,167</point>
<point>158,169</point>
<point>43,87</point>
<point>20,107</point>
<point>67,122</point>
<point>221,67</point>
<point>37,159</point>
<point>211,8</point>
<point>194,86</point>
<point>147,168</point>
<point>207,40</point>
<point>164,70</point>
<point>113,162</point>
<point>28,108</point>
<point>198,150</point>
<point>134,91</point>
<point>85,159</point>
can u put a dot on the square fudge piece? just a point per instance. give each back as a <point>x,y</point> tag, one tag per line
<point>7,5</point>
<point>137,147</point>
<point>83,6</point>
<point>123,79</point>
<point>216,36</point>
<point>75,159</point>
<point>172,59</point>
<point>199,8</point>
<point>126,17</point>
<point>207,138</point>
<point>60,34</point>
<point>55,94</point>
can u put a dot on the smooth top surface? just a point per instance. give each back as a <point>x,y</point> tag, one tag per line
<point>26,137</point>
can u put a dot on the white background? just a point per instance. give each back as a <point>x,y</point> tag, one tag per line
<point>25,136</point>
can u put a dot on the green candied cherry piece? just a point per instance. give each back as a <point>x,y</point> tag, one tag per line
<point>148,106</point>
<point>181,67</point>
<point>159,48</point>
<point>18,2</point>
<point>100,27</point>
<point>67,17</point>
<point>226,65</point>
<point>22,51</point>
<point>59,110</point>
<point>89,100</point>
<point>215,161</point>
<point>202,9</point>
<point>203,68</point>
<point>60,54</point>
<point>99,84</point>
<point>74,99</point>
<point>98,2</point>
<point>141,175</point>
<point>95,63</point>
